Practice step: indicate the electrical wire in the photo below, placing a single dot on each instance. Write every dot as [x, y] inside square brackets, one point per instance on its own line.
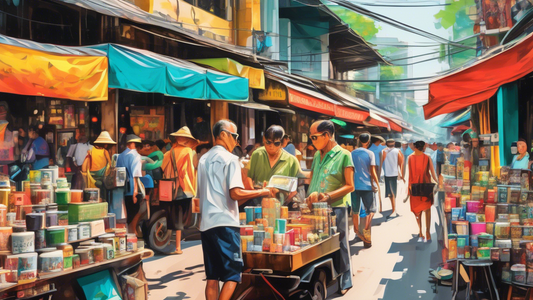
[401, 5]
[395, 23]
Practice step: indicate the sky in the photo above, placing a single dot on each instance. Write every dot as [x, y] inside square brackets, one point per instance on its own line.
[421, 18]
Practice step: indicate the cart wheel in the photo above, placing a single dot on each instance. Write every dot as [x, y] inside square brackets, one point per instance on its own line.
[317, 286]
[158, 233]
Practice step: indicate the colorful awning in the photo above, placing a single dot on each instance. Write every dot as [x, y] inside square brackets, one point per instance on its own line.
[35, 69]
[376, 115]
[310, 100]
[256, 77]
[460, 118]
[169, 76]
[479, 82]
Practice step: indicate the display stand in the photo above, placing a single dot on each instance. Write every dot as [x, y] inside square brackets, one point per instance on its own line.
[290, 262]
[66, 280]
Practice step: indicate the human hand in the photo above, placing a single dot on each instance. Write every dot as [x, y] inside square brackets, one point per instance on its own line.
[311, 199]
[323, 197]
[135, 198]
[374, 189]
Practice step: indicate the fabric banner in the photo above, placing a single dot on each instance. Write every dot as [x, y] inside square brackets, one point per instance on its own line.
[480, 81]
[169, 76]
[31, 72]
[304, 101]
[350, 114]
[256, 77]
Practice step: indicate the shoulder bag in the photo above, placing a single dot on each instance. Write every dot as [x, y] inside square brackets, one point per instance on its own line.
[115, 176]
[423, 189]
[169, 188]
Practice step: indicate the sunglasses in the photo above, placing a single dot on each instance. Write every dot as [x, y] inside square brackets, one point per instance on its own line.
[315, 136]
[234, 135]
[277, 144]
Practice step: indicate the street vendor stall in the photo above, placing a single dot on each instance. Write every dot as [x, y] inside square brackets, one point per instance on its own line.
[62, 242]
[488, 227]
[288, 249]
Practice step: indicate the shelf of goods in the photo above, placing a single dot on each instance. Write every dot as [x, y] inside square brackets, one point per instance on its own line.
[289, 262]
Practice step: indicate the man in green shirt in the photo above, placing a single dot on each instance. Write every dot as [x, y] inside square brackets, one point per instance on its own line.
[332, 182]
[270, 160]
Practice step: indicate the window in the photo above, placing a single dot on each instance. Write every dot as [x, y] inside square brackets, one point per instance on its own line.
[219, 8]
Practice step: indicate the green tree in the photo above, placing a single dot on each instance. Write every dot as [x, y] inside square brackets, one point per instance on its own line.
[363, 26]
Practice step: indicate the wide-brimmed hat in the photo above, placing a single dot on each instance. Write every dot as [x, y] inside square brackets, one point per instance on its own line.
[183, 132]
[379, 138]
[132, 138]
[104, 138]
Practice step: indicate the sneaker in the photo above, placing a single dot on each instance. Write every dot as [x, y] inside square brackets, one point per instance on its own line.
[367, 245]
[420, 239]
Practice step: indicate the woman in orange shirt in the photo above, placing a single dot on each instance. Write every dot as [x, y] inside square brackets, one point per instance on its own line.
[421, 171]
[178, 164]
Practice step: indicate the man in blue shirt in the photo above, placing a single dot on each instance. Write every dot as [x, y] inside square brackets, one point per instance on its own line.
[288, 145]
[131, 160]
[365, 176]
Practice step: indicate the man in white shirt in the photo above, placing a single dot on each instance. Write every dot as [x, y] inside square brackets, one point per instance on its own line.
[392, 162]
[221, 191]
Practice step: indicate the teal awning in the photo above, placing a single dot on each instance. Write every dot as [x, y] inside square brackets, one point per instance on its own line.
[458, 119]
[145, 71]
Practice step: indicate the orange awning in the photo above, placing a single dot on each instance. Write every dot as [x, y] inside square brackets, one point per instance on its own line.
[481, 81]
[350, 114]
[51, 73]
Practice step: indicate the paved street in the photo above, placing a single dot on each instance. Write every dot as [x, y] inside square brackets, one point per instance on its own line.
[396, 267]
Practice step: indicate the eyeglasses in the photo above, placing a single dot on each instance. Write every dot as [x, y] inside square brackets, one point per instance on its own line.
[277, 144]
[315, 136]
[234, 135]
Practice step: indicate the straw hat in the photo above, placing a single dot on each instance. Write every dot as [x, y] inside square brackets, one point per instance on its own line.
[183, 132]
[104, 138]
[132, 138]
[380, 138]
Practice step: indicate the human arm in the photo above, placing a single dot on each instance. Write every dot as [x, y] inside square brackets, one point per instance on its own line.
[400, 166]
[432, 171]
[337, 194]
[85, 164]
[136, 173]
[241, 195]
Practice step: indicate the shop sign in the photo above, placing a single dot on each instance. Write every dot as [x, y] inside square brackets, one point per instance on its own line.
[310, 103]
[274, 91]
[350, 114]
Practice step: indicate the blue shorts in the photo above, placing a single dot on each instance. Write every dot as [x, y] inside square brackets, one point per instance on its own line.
[222, 253]
[366, 197]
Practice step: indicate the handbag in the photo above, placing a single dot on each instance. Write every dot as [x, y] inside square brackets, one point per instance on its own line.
[169, 187]
[423, 189]
[115, 176]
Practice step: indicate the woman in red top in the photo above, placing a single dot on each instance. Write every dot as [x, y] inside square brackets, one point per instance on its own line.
[420, 167]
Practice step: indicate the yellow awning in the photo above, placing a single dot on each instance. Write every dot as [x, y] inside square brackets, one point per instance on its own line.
[256, 77]
[50, 73]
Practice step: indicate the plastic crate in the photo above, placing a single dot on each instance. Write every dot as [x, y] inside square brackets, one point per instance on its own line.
[86, 212]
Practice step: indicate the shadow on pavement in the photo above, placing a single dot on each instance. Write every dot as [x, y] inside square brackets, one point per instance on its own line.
[418, 258]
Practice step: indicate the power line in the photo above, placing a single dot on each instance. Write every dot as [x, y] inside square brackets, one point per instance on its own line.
[401, 5]
[393, 22]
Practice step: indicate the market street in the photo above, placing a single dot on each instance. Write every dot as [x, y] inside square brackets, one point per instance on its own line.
[396, 267]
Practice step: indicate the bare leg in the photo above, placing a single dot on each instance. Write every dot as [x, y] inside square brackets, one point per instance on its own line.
[428, 223]
[392, 201]
[418, 217]
[227, 290]
[178, 242]
[211, 290]
[380, 205]
[368, 221]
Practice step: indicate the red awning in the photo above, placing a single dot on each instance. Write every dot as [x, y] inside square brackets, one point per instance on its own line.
[350, 114]
[460, 128]
[394, 126]
[480, 81]
[308, 102]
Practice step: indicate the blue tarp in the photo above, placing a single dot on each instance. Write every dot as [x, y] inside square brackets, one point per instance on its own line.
[457, 120]
[145, 71]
